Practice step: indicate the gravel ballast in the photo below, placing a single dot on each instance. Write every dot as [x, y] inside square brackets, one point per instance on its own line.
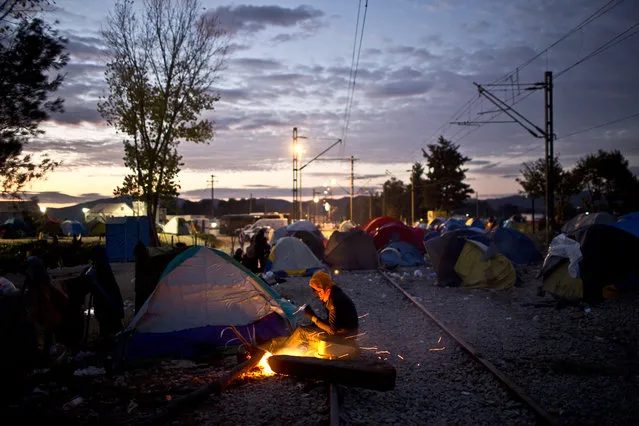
[439, 386]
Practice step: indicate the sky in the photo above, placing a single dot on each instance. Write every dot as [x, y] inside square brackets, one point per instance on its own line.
[290, 65]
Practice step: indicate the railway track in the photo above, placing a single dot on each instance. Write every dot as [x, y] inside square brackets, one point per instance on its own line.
[543, 416]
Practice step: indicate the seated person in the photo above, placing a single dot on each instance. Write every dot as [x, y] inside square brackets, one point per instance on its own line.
[342, 321]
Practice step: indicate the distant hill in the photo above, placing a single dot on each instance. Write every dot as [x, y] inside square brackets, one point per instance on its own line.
[284, 206]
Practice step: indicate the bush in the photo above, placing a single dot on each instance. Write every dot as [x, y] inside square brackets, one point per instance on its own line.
[13, 256]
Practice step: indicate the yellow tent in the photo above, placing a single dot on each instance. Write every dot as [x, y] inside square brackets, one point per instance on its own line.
[497, 272]
[559, 283]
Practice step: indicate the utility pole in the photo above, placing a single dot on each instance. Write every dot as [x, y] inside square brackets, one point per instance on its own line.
[250, 203]
[212, 195]
[352, 184]
[295, 187]
[550, 157]
[300, 168]
[547, 133]
[477, 198]
[265, 198]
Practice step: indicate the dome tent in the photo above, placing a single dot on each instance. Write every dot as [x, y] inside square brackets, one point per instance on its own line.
[291, 256]
[201, 293]
[351, 250]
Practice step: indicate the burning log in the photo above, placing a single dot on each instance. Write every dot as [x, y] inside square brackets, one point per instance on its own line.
[373, 375]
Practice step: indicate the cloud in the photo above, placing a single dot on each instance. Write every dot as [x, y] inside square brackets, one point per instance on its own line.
[252, 19]
[480, 26]
[253, 64]
[76, 114]
[399, 89]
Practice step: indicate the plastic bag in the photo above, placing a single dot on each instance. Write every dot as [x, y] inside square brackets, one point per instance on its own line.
[562, 246]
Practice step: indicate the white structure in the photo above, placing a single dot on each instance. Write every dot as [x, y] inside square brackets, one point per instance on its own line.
[202, 223]
[105, 211]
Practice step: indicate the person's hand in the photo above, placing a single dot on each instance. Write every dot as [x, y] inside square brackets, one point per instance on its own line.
[308, 312]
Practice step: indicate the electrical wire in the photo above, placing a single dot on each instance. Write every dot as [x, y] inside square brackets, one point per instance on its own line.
[359, 51]
[606, 8]
[607, 45]
[608, 123]
[350, 75]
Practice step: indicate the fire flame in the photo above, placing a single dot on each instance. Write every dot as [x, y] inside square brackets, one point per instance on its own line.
[265, 369]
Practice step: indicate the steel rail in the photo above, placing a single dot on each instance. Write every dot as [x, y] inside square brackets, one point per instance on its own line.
[512, 387]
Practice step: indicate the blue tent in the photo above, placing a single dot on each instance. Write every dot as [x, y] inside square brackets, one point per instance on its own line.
[201, 295]
[123, 233]
[73, 227]
[515, 245]
[431, 234]
[629, 223]
[408, 255]
[451, 225]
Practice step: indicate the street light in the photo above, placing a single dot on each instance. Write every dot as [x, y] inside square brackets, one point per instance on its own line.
[85, 210]
[43, 209]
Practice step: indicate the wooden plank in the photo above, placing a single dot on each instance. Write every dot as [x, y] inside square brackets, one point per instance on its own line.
[375, 375]
[334, 404]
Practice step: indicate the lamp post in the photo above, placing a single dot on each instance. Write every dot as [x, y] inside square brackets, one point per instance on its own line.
[84, 212]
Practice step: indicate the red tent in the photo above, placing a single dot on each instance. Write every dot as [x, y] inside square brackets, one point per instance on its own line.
[378, 222]
[396, 232]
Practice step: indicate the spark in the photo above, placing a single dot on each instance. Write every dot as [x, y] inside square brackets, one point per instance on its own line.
[355, 336]
[382, 352]
[437, 349]
[440, 339]
[379, 357]
[419, 364]
[363, 316]
[399, 356]
[343, 356]
[373, 348]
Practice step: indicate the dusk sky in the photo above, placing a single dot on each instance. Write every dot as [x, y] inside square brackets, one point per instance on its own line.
[289, 67]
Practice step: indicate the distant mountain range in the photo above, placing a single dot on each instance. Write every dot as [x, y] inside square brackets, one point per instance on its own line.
[275, 204]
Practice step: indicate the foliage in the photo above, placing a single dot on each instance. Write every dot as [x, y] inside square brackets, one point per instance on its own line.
[13, 256]
[160, 75]
[418, 181]
[30, 54]
[394, 190]
[533, 183]
[606, 175]
[444, 188]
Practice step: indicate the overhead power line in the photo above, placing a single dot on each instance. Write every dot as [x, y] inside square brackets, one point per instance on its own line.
[352, 94]
[608, 123]
[350, 75]
[466, 108]
[607, 45]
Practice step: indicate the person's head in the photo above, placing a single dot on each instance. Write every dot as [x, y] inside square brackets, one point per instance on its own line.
[321, 284]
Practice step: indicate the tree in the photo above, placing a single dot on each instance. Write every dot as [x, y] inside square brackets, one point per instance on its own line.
[533, 183]
[394, 191]
[30, 54]
[444, 188]
[161, 71]
[417, 180]
[606, 175]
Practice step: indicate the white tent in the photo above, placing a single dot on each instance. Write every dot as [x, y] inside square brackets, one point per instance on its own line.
[176, 225]
[291, 256]
[202, 293]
